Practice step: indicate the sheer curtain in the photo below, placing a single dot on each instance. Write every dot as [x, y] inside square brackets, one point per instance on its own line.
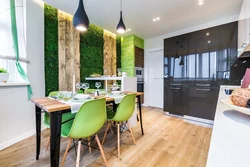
[13, 39]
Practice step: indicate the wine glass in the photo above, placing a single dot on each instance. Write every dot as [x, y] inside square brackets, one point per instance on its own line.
[85, 87]
[98, 85]
[115, 86]
[79, 85]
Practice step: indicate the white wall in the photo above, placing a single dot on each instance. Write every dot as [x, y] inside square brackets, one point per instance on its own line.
[156, 43]
[17, 120]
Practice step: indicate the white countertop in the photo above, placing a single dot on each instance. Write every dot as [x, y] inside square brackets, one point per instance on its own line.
[230, 142]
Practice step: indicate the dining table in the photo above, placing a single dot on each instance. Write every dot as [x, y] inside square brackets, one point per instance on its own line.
[56, 109]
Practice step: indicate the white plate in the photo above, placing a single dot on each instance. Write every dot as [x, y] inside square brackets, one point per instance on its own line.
[229, 103]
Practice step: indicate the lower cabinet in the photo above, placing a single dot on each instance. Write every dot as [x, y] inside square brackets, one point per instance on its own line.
[202, 102]
[176, 98]
[196, 100]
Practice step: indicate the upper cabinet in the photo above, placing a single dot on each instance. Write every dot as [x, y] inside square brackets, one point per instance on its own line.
[244, 26]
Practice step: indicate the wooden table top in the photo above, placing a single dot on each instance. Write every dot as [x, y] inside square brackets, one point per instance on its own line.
[52, 105]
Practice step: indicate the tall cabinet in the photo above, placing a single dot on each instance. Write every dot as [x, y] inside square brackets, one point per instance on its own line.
[195, 65]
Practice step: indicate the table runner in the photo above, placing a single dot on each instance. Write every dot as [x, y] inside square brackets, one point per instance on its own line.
[74, 105]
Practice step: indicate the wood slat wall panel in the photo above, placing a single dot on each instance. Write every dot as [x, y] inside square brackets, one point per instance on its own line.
[109, 50]
[69, 51]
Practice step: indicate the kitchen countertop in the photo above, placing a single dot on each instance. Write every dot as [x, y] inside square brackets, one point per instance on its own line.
[230, 142]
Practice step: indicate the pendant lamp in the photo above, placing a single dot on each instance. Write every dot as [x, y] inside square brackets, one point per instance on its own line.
[181, 62]
[121, 28]
[80, 19]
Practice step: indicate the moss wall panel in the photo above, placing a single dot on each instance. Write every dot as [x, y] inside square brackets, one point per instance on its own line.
[51, 48]
[91, 52]
[139, 42]
[128, 56]
[118, 51]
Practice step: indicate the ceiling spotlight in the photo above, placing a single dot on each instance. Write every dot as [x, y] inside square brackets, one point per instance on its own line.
[154, 20]
[200, 2]
[208, 41]
[207, 34]
[158, 18]
[128, 30]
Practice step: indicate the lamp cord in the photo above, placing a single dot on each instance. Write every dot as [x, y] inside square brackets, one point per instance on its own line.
[121, 5]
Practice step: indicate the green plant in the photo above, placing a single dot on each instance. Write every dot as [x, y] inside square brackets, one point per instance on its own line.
[91, 53]
[51, 49]
[2, 70]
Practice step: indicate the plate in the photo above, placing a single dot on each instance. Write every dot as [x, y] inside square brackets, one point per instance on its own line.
[229, 103]
[81, 101]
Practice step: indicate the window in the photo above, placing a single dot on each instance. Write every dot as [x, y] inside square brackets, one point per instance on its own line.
[6, 41]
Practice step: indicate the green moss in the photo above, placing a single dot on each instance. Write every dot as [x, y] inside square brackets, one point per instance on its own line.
[118, 51]
[91, 53]
[51, 49]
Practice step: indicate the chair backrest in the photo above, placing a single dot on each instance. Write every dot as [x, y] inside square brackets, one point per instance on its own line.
[89, 119]
[125, 109]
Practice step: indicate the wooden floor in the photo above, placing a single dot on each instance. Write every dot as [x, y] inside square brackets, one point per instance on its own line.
[168, 142]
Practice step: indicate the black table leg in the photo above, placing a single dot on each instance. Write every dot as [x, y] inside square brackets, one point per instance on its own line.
[55, 136]
[139, 103]
[38, 131]
[114, 106]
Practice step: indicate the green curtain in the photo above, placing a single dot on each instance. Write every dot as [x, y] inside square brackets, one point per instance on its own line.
[15, 45]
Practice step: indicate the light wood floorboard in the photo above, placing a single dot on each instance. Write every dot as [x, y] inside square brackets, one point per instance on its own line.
[168, 142]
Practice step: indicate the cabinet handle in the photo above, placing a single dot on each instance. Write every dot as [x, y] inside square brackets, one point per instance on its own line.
[202, 89]
[175, 84]
[202, 84]
[175, 88]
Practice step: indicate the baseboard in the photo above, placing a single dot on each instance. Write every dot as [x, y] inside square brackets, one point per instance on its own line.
[195, 119]
[18, 139]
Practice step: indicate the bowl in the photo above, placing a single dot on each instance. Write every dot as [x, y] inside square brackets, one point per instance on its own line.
[228, 91]
[116, 92]
[81, 97]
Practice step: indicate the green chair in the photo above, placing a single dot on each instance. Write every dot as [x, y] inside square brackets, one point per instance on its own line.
[88, 121]
[65, 117]
[124, 112]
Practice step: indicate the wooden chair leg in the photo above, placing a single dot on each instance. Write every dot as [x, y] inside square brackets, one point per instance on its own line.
[90, 151]
[131, 132]
[66, 152]
[102, 152]
[105, 134]
[118, 139]
[47, 145]
[78, 154]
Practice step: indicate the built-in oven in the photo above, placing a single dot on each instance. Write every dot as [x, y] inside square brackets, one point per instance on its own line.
[139, 72]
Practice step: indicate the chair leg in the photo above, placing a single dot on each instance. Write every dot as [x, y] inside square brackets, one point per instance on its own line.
[131, 132]
[78, 154]
[105, 134]
[102, 152]
[66, 152]
[118, 139]
[90, 151]
[47, 145]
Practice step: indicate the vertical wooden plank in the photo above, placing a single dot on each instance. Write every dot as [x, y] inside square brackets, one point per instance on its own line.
[68, 54]
[76, 45]
[109, 52]
[61, 50]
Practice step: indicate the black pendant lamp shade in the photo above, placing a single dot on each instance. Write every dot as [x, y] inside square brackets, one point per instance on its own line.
[121, 28]
[81, 20]
[181, 62]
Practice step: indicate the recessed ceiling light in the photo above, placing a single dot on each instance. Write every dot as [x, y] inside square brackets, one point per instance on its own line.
[200, 2]
[156, 19]
[208, 41]
[128, 29]
[207, 34]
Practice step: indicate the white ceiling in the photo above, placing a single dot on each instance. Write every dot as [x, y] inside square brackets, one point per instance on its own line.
[138, 14]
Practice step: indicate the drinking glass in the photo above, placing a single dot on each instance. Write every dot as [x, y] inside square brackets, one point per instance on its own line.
[115, 86]
[86, 86]
[98, 85]
[79, 85]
